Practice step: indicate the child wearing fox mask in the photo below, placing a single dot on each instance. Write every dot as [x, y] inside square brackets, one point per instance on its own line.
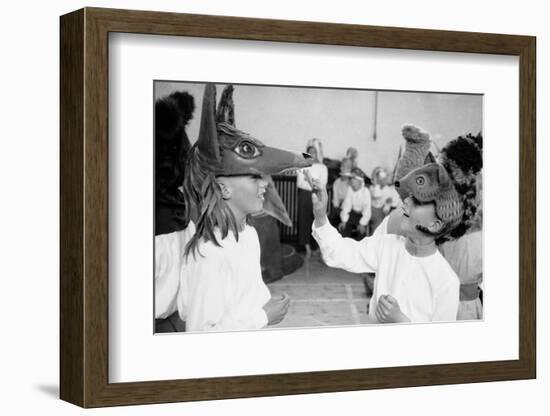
[414, 283]
[221, 286]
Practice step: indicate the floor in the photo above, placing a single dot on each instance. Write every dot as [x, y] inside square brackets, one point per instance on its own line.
[322, 296]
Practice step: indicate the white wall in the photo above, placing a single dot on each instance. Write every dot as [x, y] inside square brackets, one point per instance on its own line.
[289, 117]
[29, 221]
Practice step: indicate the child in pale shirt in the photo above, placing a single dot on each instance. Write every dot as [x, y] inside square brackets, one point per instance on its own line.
[414, 282]
[318, 171]
[356, 208]
[384, 197]
[339, 191]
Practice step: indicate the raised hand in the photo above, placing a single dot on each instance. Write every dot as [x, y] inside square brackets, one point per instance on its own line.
[319, 198]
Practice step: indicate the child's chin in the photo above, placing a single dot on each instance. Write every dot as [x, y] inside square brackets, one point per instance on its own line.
[405, 226]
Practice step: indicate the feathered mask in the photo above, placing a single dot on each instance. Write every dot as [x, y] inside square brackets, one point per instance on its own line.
[233, 151]
[223, 150]
[432, 183]
[451, 183]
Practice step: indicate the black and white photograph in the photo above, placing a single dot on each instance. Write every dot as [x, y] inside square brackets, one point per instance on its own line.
[299, 207]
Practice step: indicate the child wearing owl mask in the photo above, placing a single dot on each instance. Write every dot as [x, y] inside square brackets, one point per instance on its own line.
[462, 247]
[414, 282]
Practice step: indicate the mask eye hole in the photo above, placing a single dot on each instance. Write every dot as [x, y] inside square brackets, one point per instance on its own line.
[247, 150]
[420, 180]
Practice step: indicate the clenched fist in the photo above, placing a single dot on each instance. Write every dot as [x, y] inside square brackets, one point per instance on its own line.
[388, 310]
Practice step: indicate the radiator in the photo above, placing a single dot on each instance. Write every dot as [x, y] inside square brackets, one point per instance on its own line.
[288, 191]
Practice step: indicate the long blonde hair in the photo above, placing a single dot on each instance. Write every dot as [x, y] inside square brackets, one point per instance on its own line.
[318, 146]
[202, 191]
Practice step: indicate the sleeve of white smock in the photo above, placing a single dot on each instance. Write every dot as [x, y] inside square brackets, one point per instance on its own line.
[346, 206]
[168, 258]
[346, 253]
[446, 302]
[215, 304]
[169, 250]
[382, 228]
[366, 211]
[166, 277]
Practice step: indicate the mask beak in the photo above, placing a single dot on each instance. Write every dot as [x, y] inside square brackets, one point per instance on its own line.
[273, 204]
[276, 161]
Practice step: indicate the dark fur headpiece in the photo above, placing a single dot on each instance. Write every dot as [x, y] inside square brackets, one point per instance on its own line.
[172, 113]
[463, 159]
[223, 150]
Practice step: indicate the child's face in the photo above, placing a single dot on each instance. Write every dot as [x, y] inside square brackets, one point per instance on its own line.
[313, 152]
[415, 214]
[246, 193]
[356, 184]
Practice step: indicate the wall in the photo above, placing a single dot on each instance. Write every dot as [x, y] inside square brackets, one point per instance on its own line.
[30, 189]
[289, 117]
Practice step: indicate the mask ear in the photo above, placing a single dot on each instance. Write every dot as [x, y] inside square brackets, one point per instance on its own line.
[443, 176]
[208, 136]
[429, 158]
[226, 108]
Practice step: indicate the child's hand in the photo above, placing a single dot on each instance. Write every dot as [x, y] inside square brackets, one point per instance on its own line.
[388, 311]
[362, 229]
[341, 227]
[319, 198]
[276, 308]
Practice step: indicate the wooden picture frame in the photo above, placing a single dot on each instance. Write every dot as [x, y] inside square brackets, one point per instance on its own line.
[84, 207]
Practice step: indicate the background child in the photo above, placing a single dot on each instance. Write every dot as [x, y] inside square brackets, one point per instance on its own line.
[339, 191]
[384, 197]
[172, 229]
[356, 208]
[305, 216]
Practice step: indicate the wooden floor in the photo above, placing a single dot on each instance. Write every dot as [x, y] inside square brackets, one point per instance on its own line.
[322, 296]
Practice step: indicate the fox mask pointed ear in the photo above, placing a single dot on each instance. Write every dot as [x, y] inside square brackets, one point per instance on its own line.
[430, 158]
[207, 142]
[443, 176]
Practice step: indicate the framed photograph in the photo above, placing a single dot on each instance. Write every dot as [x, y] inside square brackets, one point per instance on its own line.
[203, 161]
